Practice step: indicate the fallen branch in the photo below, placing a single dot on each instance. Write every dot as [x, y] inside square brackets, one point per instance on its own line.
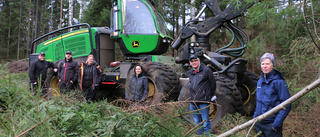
[273, 110]
[37, 124]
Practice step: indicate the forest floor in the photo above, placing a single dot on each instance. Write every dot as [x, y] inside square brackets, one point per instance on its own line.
[21, 66]
[303, 120]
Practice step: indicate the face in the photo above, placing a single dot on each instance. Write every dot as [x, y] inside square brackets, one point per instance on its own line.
[41, 57]
[138, 70]
[68, 56]
[195, 63]
[266, 66]
[90, 60]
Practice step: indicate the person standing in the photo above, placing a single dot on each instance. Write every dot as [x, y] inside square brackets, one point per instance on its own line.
[38, 71]
[138, 85]
[89, 78]
[202, 89]
[67, 73]
[272, 90]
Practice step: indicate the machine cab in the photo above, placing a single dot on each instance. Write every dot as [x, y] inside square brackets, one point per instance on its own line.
[138, 28]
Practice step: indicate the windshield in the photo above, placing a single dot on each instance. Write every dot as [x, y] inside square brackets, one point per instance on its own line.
[138, 19]
[160, 21]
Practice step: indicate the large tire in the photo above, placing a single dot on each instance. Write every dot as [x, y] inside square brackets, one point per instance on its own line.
[164, 83]
[247, 88]
[228, 100]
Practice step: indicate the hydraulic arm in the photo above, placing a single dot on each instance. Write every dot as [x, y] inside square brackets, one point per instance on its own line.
[202, 31]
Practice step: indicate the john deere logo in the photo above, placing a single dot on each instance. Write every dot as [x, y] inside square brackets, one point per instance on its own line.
[135, 44]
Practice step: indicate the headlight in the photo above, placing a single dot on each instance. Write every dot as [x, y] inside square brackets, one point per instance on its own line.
[191, 44]
[192, 51]
[164, 40]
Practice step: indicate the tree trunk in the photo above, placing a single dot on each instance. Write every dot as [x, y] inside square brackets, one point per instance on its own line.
[28, 32]
[51, 18]
[193, 14]
[81, 9]
[36, 19]
[274, 110]
[19, 32]
[9, 33]
[70, 13]
[61, 13]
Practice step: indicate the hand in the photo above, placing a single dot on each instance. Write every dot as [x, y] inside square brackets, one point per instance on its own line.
[71, 81]
[35, 83]
[55, 70]
[59, 80]
[274, 129]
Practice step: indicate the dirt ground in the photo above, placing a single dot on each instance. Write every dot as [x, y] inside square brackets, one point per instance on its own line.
[20, 66]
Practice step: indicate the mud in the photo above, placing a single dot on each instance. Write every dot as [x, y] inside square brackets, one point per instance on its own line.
[21, 66]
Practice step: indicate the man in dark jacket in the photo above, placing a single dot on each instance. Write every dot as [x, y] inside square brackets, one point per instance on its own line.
[272, 90]
[38, 71]
[202, 89]
[67, 73]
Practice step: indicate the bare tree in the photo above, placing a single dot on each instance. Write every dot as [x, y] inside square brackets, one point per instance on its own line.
[28, 31]
[9, 34]
[81, 9]
[19, 32]
[314, 36]
[70, 13]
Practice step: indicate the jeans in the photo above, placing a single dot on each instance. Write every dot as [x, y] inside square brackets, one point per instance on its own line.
[267, 130]
[201, 116]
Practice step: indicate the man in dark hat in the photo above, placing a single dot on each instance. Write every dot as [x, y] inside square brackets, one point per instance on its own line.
[202, 89]
[67, 73]
[38, 73]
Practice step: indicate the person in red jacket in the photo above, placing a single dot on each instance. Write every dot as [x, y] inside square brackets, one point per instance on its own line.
[67, 73]
[89, 78]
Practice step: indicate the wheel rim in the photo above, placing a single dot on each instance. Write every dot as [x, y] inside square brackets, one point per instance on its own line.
[54, 86]
[213, 110]
[245, 91]
[152, 89]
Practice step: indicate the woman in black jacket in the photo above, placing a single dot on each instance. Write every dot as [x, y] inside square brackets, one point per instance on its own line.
[138, 85]
[89, 77]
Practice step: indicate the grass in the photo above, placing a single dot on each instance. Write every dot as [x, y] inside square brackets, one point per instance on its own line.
[23, 114]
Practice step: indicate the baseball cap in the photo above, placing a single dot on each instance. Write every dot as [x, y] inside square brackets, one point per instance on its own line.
[69, 52]
[193, 56]
[42, 53]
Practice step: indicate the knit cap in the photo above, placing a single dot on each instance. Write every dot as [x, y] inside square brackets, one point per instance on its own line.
[267, 56]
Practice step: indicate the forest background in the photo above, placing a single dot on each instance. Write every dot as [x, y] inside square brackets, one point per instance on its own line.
[287, 28]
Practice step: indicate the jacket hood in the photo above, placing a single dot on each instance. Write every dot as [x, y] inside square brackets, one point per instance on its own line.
[274, 74]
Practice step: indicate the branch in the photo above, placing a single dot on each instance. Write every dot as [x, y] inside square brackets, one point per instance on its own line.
[306, 22]
[273, 110]
[37, 124]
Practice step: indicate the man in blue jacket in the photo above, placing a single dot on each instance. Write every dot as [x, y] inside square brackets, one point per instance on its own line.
[202, 88]
[272, 90]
